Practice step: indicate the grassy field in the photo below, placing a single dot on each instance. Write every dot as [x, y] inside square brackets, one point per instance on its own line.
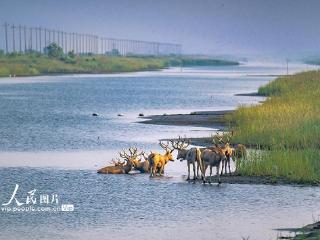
[39, 64]
[285, 129]
[36, 64]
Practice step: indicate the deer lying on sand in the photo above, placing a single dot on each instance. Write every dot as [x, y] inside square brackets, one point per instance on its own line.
[192, 155]
[158, 161]
[142, 166]
[121, 168]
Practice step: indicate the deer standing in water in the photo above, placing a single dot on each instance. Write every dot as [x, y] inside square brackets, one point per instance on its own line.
[225, 149]
[158, 161]
[192, 155]
[210, 158]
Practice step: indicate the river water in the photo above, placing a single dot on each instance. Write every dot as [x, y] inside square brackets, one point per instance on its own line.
[51, 142]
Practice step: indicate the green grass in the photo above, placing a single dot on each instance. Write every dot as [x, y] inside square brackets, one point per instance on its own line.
[39, 64]
[288, 125]
[35, 64]
[188, 61]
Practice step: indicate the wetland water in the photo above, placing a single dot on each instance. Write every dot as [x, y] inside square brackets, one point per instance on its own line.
[51, 142]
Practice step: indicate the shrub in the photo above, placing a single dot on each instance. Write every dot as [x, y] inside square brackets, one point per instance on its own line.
[54, 50]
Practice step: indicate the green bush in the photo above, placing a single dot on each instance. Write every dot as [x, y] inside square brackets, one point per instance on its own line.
[54, 50]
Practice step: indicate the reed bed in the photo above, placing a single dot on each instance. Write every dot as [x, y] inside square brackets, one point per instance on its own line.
[286, 127]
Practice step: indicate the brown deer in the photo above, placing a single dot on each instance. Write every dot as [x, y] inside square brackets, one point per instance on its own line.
[226, 149]
[121, 169]
[158, 161]
[211, 159]
[142, 166]
[240, 151]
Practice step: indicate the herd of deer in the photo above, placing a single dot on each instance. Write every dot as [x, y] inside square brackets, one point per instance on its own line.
[218, 155]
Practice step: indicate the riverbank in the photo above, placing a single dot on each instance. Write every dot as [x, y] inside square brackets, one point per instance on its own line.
[39, 64]
[286, 125]
[257, 180]
[308, 232]
[211, 119]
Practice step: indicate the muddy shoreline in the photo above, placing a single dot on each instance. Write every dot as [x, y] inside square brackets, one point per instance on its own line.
[209, 119]
[308, 232]
[260, 180]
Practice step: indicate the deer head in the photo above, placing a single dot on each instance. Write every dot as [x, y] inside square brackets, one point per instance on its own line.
[224, 139]
[180, 143]
[131, 154]
[165, 146]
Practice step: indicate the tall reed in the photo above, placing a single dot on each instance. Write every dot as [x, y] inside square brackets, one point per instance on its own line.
[288, 125]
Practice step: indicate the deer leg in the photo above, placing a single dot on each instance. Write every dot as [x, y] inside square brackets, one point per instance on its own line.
[154, 171]
[204, 174]
[219, 181]
[198, 166]
[218, 168]
[225, 166]
[210, 179]
[229, 167]
[194, 171]
[161, 170]
[188, 170]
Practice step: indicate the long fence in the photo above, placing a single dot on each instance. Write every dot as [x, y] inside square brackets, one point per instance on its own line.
[22, 39]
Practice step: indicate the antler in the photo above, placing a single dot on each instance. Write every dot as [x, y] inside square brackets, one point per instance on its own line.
[217, 139]
[124, 155]
[117, 162]
[113, 161]
[165, 146]
[142, 156]
[145, 156]
[133, 153]
[222, 138]
[180, 143]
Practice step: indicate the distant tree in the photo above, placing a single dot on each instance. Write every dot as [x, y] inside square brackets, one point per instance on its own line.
[71, 54]
[1, 53]
[53, 50]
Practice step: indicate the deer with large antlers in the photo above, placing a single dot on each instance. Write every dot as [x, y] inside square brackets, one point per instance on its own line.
[128, 157]
[192, 155]
[158, 161]
[141, 166]
[226, 149]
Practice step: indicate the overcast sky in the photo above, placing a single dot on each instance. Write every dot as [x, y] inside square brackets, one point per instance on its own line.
[261, 27]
